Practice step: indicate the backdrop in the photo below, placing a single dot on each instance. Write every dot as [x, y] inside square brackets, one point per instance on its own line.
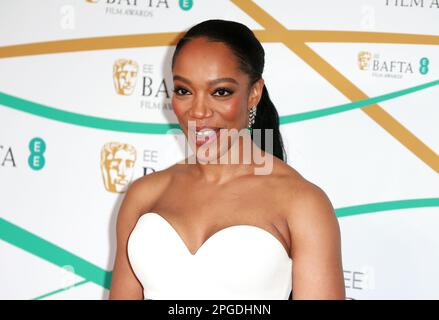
[85, 108]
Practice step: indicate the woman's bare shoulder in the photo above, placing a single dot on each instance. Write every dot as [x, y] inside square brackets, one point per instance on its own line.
[289, 177]
[301, 196]
[146, 190]
[156, 179]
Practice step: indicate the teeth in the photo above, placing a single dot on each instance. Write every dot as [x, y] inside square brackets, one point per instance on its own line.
[205, 132]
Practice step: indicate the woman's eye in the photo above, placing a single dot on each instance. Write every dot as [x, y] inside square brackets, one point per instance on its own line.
[223, 92]
[180, 91]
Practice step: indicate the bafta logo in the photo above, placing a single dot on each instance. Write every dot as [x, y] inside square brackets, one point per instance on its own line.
[117, 165]
[363, 60]
[125, 76]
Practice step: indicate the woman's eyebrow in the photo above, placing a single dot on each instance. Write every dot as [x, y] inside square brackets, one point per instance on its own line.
[215, 81]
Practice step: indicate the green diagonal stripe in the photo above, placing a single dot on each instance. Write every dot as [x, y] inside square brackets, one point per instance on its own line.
[60, 290]
[384, 206]
[50, 252]
[353, 105]
[83, 120]
[163, 128]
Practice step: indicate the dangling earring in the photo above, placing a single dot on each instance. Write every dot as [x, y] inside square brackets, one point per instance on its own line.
[251, 118]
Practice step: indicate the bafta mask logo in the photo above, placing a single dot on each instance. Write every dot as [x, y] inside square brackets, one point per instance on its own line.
[364, 59]
[125, 76]
[117, 165]
[91, 1]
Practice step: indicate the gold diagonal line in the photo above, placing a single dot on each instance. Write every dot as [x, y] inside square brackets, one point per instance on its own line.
[85, 44]
[378, 114]
[170, 38]
[363, 37]
[346, 37]
[375, 112]
[268, 22]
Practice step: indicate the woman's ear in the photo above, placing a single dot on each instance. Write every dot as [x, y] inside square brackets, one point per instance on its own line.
[255, 93]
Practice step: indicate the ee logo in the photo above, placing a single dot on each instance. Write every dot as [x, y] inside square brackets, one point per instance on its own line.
[37, 147]
[423, 68]
[186, 4]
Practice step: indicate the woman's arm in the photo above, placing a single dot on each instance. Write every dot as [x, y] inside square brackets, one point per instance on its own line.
[139, 198]
[315, 246]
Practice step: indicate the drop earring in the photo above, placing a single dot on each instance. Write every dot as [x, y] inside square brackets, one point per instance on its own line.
[251, 118]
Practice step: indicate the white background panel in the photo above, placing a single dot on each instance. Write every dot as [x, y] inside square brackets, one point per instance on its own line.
[391, 254]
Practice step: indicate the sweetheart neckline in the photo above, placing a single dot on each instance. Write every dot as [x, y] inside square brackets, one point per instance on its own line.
[215, 234]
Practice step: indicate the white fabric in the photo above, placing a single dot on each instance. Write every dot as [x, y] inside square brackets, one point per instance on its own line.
[237, 262]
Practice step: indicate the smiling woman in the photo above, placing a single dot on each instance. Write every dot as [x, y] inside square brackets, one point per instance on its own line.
[207, 230]
[240, 58]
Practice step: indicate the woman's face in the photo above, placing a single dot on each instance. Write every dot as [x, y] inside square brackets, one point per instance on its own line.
[210, 90]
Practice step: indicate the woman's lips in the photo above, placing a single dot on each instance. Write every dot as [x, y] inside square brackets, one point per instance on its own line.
[206, 135]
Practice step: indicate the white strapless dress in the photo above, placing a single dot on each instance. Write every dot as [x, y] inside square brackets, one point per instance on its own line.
[238, 262]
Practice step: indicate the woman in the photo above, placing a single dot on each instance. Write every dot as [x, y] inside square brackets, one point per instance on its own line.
[206, 230]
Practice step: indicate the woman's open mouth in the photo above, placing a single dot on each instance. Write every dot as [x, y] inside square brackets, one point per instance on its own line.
[206, 135]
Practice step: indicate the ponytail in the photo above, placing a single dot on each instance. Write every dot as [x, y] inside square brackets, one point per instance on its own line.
[268, 118]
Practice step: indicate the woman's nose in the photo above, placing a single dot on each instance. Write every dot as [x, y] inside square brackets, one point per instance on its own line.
[199, 108]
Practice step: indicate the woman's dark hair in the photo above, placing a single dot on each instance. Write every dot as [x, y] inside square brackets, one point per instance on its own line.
[251, 59]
